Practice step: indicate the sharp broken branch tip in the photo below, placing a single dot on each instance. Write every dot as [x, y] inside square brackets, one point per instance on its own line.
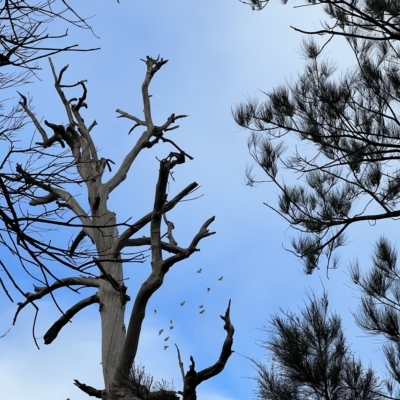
[24, 99]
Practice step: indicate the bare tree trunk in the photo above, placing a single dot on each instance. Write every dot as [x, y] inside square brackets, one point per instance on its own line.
[112, 302]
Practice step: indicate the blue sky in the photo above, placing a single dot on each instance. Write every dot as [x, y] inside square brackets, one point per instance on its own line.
[220, 53]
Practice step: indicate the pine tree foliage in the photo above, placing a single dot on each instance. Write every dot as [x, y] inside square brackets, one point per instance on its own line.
[350, 173]
[343, 132]
[379, 312]
[310, 359]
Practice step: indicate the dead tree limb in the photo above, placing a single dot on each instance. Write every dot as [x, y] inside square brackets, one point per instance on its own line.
[40, 292]
[55, 329]
[91, 391]
[169, 205]
[158, 265]
[193, 379]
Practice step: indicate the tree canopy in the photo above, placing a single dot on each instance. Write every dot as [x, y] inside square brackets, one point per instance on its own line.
[343, 132]
[309, 358]
[352, 123]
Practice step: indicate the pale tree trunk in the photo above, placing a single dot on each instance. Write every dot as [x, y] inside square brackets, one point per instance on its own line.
[112, 302]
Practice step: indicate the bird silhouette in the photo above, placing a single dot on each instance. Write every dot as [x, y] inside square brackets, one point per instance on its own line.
[171, 321]
[201, 312]
[183, 303]
[199, 270]
[155, 311]
[166, 338]
[201, 306]
[220, 279]
[171, 327]
[160, 332]
[166, 347]
[208, 289]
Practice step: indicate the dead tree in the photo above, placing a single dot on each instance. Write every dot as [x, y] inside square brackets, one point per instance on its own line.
[66, 160]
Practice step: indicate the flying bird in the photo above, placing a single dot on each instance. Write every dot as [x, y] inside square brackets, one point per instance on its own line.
[199, 270]
[171, 327]
[166, 338]
[166, 347]
[155, 311]
[208, 289]
[201, 306]
[171, 321]
[220, 279]
[201, 312]
[183, 303]
[160, 332]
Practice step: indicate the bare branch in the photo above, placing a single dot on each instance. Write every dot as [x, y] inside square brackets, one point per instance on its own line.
[165, 140]
[123, 170]
[25, 106]
[193, 379]
[138, 121]
[92, 125]
[171, 120]
[181, 367]
[146, 241]
[181, 252]
[5, 290]
[159, 268]
[150, 286]
[25, 28]
[203, 232]
[37, 201]
[81, 235]
[60, 193]
[153, 65]
[64, 282]
[5, 334]
[83, 130]
[40, 292]
[91, 391]
[169, 205]
[57, 83]
[55, 329]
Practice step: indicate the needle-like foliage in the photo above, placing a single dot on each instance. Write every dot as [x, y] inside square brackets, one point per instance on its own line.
[339, 134]
[342, 132]
[309, 359]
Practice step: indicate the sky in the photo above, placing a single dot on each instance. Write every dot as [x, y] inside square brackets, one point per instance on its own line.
[220, 53]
